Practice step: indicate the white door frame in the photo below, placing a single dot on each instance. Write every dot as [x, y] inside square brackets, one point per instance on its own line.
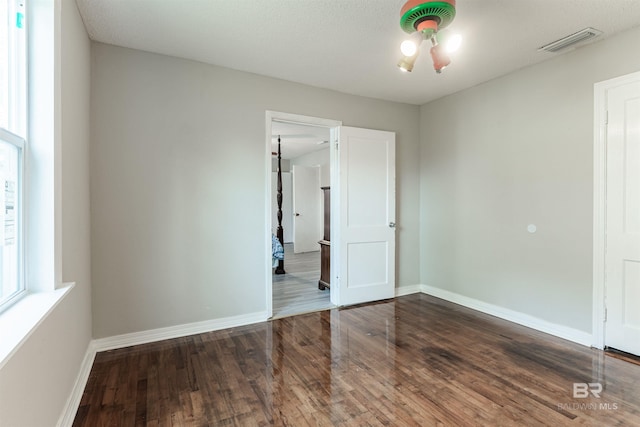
[302, 120]
[599, 200]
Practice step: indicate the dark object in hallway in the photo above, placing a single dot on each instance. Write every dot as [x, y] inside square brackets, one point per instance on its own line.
[325, 243]
[280, 231]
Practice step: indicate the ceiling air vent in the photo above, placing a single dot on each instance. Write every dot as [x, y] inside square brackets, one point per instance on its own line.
[565, 42]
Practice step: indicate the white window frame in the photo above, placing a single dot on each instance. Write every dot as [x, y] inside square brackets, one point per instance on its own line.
[16, 134]
[41, 197]
[17, 73]
[19, 143]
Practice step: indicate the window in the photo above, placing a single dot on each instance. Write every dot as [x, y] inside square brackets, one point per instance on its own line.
[12, 144]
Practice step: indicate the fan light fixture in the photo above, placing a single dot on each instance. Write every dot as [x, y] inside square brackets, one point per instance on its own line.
[423, 19]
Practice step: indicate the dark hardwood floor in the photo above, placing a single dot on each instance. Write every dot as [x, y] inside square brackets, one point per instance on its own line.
[412, 361]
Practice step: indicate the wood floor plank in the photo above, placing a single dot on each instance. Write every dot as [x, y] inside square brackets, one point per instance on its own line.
[411, 361]
[297, 291]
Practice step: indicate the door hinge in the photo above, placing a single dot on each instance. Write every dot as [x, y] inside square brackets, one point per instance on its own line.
[606, 117]
[605, 314]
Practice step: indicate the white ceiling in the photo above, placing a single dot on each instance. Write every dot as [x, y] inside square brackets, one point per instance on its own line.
[296, 140]
[350, 46]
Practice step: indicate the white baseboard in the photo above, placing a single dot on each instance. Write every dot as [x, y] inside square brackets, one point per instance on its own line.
[532, 322]
[170, 332]
[73, 402]
[143, 337]
[408, 290]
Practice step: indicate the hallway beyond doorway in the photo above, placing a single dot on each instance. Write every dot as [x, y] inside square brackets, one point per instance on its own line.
[297, 291]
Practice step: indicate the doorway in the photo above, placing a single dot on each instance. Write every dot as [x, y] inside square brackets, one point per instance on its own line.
[616, 318]
[358, 249]
[305, 167]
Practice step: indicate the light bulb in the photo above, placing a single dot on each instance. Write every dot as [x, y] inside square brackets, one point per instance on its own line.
[408, 48]
[439, 57]
[453, 43]
[407, 62]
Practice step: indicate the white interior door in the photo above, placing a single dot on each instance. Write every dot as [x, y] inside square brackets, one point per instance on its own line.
[307, 219]
[367, 212]
[622, 262]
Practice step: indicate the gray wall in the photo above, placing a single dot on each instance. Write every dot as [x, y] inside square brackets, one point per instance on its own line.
[178, 185]
[507, 153]
[317, 158]
[284, 163]
[36, 382]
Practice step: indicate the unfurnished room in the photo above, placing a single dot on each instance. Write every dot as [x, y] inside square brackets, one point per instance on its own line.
[319, 212]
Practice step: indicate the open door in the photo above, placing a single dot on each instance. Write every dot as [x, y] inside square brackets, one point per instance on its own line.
[622, 262]
[366, 218]
[307, 220]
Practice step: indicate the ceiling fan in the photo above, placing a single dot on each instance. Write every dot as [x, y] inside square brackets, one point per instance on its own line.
[425, 20]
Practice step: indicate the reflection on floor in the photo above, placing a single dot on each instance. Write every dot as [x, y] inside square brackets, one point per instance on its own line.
[410, 361]
[297, 291]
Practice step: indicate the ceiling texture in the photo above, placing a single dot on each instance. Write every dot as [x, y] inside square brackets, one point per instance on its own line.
[351, 46]
[297, 140]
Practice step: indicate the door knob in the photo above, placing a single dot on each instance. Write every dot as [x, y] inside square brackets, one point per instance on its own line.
[392, 224]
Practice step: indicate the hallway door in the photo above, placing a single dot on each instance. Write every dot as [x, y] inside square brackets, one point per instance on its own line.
[366, 221]
[622, 263]
[307, 219]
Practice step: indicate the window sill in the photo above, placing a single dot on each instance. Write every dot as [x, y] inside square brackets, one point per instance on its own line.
[19, 321]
